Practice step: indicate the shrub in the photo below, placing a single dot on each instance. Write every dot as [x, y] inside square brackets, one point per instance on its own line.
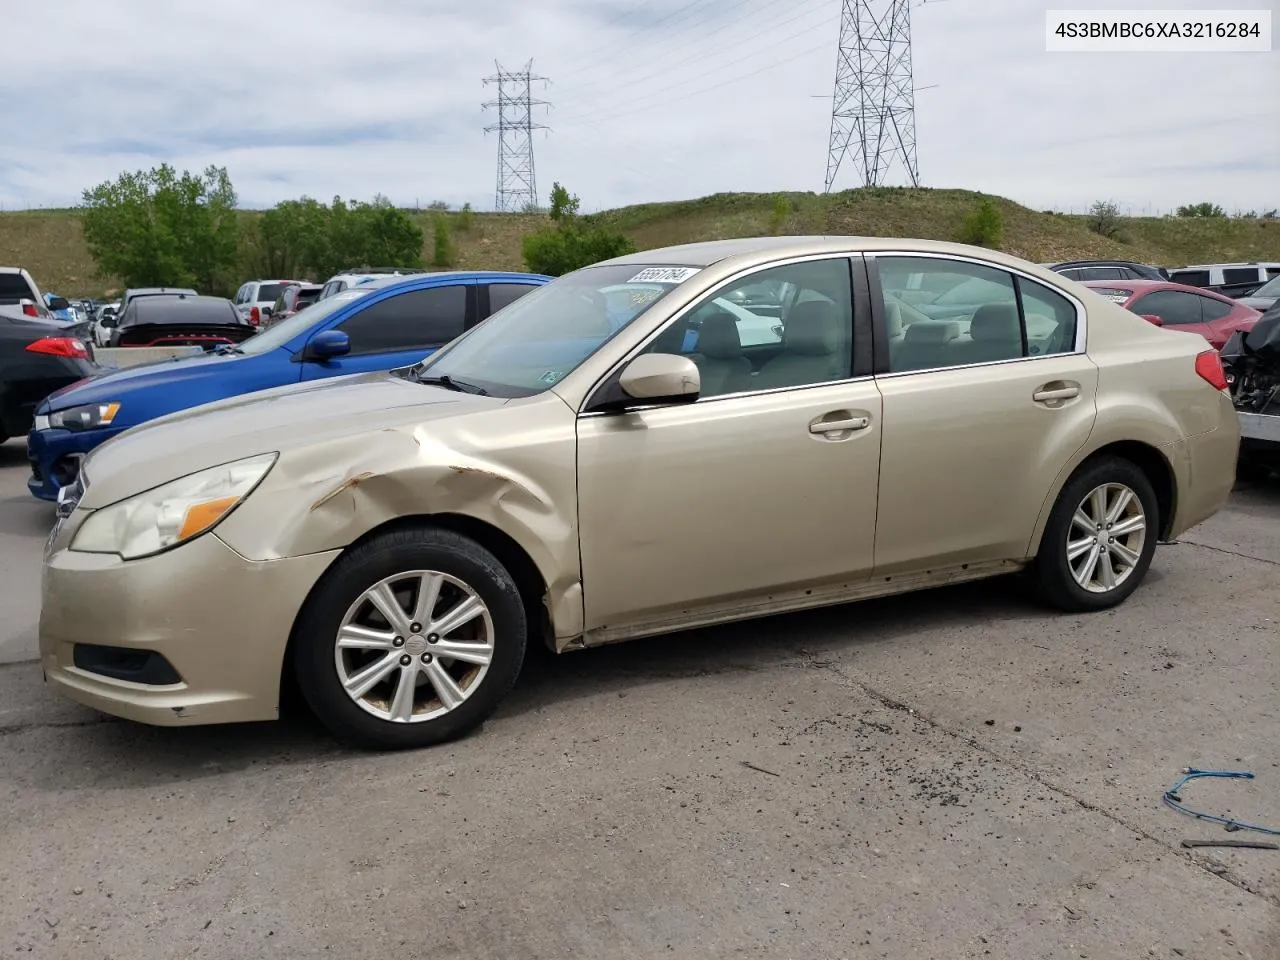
[466, 219]
[442, 254]
[984, 227]
[1104, 219]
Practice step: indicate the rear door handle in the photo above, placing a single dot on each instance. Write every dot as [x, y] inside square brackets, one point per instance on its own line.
[1048, 393]
[839, 426]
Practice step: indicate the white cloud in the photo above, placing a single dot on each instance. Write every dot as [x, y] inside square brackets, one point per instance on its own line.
[652, 101]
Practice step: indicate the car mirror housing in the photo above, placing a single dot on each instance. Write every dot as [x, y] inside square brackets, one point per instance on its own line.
[328, 344]
[1152, 319]
[661, 378]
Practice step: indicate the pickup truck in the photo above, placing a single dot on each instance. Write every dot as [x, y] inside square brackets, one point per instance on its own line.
[1252, 364]
[21, 298]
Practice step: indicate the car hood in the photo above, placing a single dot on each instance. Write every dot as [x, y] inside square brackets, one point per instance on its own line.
[276, 420]
[116, 385]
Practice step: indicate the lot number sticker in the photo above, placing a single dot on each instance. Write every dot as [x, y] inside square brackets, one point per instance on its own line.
[664, 275]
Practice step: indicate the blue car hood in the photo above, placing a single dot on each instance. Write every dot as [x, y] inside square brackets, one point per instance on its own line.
[164, 378]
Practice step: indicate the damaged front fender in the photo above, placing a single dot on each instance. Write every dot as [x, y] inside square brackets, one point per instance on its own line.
[511, 467]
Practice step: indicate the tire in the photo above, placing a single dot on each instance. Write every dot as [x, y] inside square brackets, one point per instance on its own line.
[1249, 470]
[405, 561]
[1053, 572]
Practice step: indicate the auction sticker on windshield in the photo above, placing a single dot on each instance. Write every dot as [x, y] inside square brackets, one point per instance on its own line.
[664, 275]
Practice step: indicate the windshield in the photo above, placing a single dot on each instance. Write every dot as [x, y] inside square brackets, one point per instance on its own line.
[284, 331]
[1269, 289]
[536, 341]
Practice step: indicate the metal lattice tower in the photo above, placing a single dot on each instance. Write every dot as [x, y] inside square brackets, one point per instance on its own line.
[873, 110]
[517, 185]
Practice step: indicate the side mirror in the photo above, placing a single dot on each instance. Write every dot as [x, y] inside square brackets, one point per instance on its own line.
[267, 311]
[661, 378]
[328, 344]
[1153, 319]
[59, 303]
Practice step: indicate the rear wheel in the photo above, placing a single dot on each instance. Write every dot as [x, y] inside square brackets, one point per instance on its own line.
[1100, 538]
[412, 639]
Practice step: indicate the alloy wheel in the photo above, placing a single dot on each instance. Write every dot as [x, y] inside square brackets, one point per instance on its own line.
[414, 646]
[1105, 540]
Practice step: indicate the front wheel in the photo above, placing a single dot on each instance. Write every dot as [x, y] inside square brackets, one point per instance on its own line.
[411, 639]
[1100, 538]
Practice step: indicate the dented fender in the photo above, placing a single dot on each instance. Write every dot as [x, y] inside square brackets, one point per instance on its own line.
[511, 466]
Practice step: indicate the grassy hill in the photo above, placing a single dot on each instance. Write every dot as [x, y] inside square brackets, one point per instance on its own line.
[50, 244]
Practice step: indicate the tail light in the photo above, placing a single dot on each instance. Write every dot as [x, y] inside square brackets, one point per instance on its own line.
[59, 347]
[29, 309]
[255, 316]
[1209, 367]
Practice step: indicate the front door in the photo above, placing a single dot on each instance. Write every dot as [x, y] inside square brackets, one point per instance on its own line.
[986, 399]
[762, 492]
[399, 331]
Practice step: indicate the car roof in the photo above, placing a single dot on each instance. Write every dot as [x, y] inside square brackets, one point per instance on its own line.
[1136, 286]
[748, 250]
[1227, 266]
[383, 282]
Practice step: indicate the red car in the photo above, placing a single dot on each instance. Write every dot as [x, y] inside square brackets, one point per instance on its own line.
[1179, 307]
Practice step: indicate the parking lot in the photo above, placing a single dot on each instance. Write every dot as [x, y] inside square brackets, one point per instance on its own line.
[955, 774]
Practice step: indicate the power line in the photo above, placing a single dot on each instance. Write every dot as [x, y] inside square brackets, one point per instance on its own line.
[657, 38]
[676, 50]
[651, 94]
[638, 106]
[873, 106]
[517, 187]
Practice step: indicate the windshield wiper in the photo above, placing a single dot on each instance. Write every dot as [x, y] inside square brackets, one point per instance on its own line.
[224, 348]
[449, 383]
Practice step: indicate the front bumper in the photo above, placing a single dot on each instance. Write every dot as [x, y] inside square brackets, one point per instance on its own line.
[55, 455]
[222, 622]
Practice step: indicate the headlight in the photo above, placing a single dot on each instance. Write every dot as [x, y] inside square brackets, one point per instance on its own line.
[172, 513]
[85, 417]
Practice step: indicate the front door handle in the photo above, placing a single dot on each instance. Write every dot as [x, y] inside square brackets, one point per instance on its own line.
[1056, 391]
[839, 426]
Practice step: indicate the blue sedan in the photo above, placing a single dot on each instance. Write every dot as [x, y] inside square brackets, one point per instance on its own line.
[380, 325]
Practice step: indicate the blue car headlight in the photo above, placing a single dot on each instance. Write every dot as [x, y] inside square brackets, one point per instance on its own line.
[85, 417]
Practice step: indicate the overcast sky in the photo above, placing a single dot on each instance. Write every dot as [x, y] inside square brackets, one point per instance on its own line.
[660, 100]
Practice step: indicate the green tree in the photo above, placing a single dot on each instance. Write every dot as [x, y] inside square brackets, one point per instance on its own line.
[156, 228]
[1201, 210]
[442, 252]
[572, 242]
[984, 227]
[305, 237]
[1104, 219]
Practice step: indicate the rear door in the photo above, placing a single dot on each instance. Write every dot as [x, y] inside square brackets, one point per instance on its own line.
[982, 409]
[400, 330]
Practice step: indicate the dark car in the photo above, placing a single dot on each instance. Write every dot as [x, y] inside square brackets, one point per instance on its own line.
[293, 298]
[1180, 307]
[180, 321]
[1083, 270]
[36, 359]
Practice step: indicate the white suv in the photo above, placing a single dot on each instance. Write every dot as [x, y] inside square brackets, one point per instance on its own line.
[355, 277]
[255, 299]
[1229, 278]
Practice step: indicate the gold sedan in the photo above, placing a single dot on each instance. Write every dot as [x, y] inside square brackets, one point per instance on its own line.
[676, 438]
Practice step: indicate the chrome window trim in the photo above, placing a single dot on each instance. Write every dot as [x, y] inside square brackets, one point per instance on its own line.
[729, 396]
[1082, 315]
[698, 301]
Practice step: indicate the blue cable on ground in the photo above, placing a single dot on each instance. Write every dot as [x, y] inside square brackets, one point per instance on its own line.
[1174, 801]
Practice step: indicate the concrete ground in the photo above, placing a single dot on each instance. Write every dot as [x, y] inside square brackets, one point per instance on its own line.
[951, 775]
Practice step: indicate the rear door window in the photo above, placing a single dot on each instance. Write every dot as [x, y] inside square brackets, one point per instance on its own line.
[409, 321]
[1211, 309]
[502, 294]
[1173, 307]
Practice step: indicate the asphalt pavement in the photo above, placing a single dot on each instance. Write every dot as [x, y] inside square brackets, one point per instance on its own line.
[957, 774]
